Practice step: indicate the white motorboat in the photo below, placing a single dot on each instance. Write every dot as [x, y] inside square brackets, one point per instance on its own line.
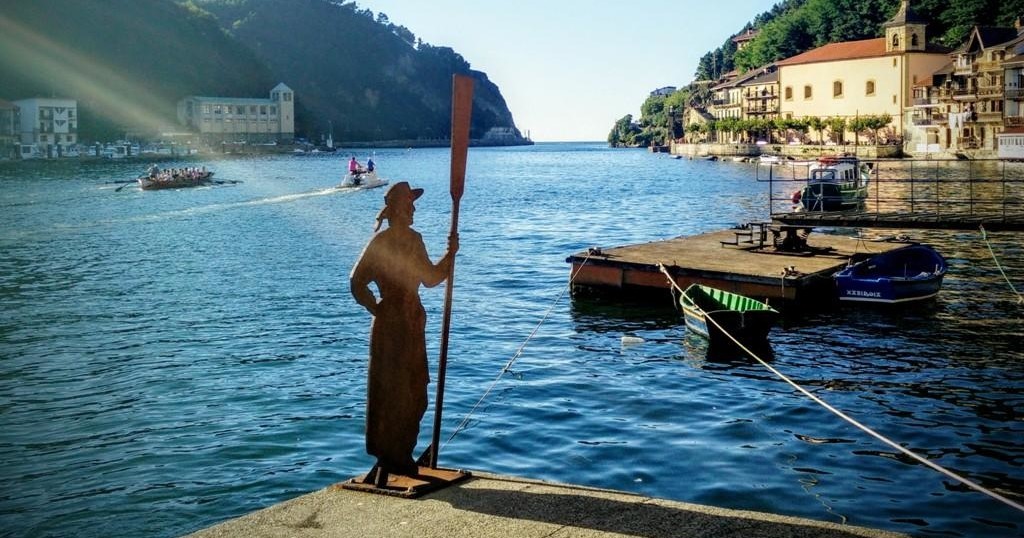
[362, 180]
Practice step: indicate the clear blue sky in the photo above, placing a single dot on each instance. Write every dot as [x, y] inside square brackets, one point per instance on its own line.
[569, 68]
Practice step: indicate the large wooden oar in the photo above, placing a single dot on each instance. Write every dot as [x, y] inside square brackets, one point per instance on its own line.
[462, 108]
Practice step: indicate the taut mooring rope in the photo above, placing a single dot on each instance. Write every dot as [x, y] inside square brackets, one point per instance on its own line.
[984, 237]
[963, 480]
[518, 353]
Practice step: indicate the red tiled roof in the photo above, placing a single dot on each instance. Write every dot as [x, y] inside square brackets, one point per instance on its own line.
[746, 36]
[847, 50]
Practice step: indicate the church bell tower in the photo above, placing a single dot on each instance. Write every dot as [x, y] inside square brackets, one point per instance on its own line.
[905, 31]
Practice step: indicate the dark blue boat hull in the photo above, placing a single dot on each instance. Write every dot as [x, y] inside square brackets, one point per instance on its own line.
[913, 273]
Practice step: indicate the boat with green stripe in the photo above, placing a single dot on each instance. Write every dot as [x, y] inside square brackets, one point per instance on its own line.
[711, 312]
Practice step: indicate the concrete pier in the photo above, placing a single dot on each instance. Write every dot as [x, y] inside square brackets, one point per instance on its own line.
[503, 507]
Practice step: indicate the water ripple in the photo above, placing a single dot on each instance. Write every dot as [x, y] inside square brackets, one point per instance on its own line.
[171, 359]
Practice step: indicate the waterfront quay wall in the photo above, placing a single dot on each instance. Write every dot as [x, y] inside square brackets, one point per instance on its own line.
[797, 151]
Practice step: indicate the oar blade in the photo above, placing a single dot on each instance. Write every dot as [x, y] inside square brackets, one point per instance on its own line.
[462, 110]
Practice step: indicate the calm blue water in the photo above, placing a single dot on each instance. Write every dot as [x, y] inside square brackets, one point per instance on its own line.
[172, 359]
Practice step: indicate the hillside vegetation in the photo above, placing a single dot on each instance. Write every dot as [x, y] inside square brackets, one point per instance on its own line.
[372, 79]
[128, 62]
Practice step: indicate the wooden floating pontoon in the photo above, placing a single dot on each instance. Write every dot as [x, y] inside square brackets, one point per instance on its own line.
[730, 260]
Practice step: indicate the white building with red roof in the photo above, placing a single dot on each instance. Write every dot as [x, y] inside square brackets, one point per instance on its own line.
[861, 78]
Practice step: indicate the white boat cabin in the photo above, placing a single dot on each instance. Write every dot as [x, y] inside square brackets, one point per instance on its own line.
[830, 170]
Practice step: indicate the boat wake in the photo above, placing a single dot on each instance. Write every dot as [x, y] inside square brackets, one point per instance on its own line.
[213, 208]
[286, 198]
[203, 210]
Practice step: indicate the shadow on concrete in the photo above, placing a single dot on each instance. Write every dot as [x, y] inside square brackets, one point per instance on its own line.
[640, 518]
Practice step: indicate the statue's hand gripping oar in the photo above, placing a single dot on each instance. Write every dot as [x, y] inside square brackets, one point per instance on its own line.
[462, 108]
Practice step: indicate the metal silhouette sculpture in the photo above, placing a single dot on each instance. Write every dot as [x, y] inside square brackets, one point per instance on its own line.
[396, 261]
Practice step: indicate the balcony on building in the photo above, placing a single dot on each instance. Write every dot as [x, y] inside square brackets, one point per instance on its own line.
[990, 117]
[968, 143]
[1016, 94]
[963, 65]
[990, 66]
[1014, 121]
[965, 94]
[989, 89]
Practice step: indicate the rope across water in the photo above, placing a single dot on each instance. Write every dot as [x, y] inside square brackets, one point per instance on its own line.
[934, 466]
[517, 354]
[963, 480]
[984, 237]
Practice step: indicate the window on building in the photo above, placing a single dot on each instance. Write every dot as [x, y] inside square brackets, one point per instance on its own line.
[789, 93]
[837, 88]
[206, 109]
[894, 98]
[263, 109]
[288, 96]
[895, 41]
[807, 92]
[869, 88]
[216, 109]
[252, 109]
[273, 110]
[913, 40]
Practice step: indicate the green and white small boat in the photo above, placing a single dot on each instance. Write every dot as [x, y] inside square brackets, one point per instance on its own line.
[710, 311]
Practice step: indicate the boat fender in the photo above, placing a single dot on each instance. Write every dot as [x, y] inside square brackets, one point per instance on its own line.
[796, 197]
[631, 340]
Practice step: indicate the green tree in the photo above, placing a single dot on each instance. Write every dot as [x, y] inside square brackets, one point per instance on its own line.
[818, 125]
[837, 126]
[624, 133]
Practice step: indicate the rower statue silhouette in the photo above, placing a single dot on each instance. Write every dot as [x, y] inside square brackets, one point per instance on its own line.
[396, 261]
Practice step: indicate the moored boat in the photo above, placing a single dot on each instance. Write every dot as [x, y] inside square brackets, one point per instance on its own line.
[834, 184]
[362, 180]
[711, 312]
[913, 273]
[171, 180]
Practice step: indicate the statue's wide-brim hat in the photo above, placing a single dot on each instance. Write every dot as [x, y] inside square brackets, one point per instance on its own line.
[402, 191]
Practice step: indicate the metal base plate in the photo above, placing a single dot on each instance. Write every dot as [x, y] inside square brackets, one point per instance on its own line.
[408, 487]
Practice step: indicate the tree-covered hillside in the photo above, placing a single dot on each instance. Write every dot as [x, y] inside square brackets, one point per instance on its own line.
[127, 62]
[371, 79]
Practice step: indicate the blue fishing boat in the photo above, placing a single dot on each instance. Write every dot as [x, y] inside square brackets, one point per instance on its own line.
[912, 273]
